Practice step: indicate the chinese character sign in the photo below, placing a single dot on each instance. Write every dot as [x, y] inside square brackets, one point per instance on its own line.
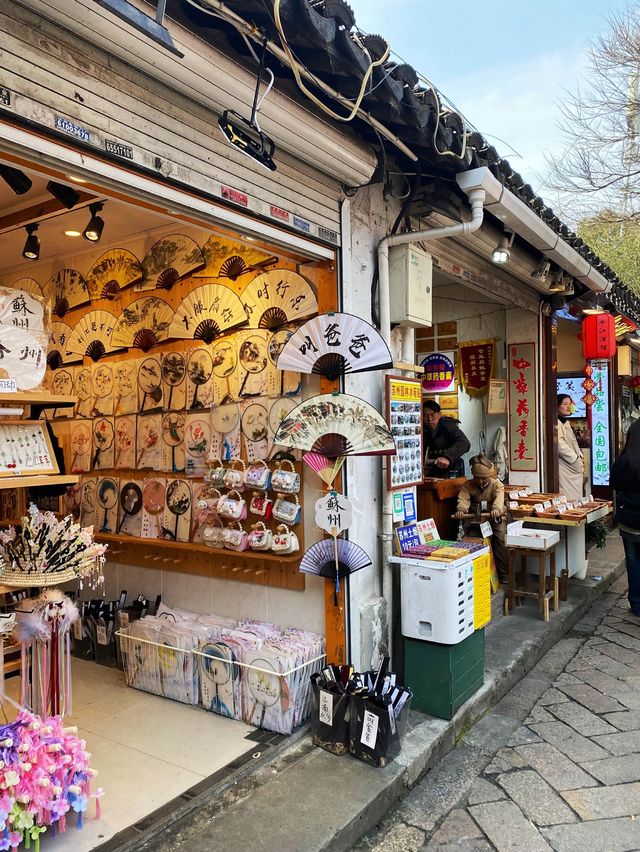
[439, 372]
[476, 365]
[600, 431]
[404, 416]
[334, 513]
[523, 423]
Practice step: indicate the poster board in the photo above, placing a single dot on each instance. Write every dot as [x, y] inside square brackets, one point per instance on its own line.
[497, 399]
[404, 418]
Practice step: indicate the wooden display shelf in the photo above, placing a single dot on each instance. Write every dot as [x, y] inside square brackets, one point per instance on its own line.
[47, 400]
[27, 481]
[187, 547]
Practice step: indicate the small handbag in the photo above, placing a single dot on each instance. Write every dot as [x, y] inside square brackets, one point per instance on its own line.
[207, 503]
[232, 506]
[258, 476]
[215, 475]
[234, 477]
[260, 537]
[287, 509]
[261, 505]
[286, 481]
[284, 541]
[234, 537]
[212, 533]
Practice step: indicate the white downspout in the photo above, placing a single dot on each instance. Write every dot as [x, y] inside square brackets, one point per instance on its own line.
[476, 200]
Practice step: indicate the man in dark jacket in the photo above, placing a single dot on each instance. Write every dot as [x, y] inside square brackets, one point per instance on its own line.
[445, 443]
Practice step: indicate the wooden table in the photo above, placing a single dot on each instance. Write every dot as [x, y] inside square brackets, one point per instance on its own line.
[437, 499]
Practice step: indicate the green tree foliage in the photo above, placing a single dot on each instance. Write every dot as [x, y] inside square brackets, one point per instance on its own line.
[617, 243]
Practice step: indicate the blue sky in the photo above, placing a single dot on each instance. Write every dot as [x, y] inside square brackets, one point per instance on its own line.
[505, 65]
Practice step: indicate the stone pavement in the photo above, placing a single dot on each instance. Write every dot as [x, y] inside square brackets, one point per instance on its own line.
[555, 765]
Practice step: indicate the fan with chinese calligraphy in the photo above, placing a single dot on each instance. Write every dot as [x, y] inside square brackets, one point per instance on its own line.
[58, 351]
[278, 297]
[335, 344]
[66, 289]
[112, 272]
[143, 323]
[92, 335]
[232, 260]
[170, 259]
[207, 312]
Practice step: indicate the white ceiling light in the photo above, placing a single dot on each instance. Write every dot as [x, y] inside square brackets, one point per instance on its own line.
[501, 252]
[73, 233]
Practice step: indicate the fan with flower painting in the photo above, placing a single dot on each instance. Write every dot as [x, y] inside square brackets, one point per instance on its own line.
[112, 272]
[168, 261]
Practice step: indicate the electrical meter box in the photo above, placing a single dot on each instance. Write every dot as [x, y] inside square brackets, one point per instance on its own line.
[410, 273]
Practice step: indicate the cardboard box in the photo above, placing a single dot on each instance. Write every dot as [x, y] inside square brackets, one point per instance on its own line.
[537, 539]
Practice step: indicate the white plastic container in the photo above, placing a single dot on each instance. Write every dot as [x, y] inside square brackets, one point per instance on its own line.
[537, 539]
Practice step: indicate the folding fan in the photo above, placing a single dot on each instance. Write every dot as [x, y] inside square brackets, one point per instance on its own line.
[334, 558]
[277, 297]
[143, 323]
[334, 344]
[112, 272]
[226, 259]
[67, 289]
[326, 468]
[170, 259]
[92, 335]
[207, 312]
[336, 424]
[58, 352]
[28, 285]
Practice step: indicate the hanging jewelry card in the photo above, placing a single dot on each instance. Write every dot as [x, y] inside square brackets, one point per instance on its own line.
[197, 443]
[81, 446]
[25, 448]
[102, 389]
[149, 442]
[125, 442]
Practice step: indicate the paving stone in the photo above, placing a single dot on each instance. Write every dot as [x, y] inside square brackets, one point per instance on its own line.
[491, 732]
[629, 629]
[403, 838]
[628, 720]
[604, 683]
[622, 639]
[604, 835]
[555, 767]
[504, 760]
[535, 798]
[565, 678]
[507, 828]
[581, 720]
[621, 743]
[518, 702]
[622, 655]
[569, 742]
[604, 802]
[523, 736]
[458, 827]
[477, 845]
[612, 667]
[614, 770]
[558, 657]
[631, 699]
[484, 791]
[591, 698]
[538, 714]
[552, 696]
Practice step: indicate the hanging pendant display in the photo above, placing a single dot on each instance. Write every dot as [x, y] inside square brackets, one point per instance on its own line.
[92, 335]
[206, 313]
[170, 259]
[278, 297]
[112, 272]
[230, 259]
[143, 323]
[66, 289]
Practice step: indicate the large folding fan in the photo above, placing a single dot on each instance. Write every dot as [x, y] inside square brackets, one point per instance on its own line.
[170, 259]
[334, 344]
[28, 285]
[112, 272]
[58, 350]
[143, 323]
[278, 297]
[336, 424]
[92, 335]
[67, 289]
[334, 558]
[227, 259]
[207, 312]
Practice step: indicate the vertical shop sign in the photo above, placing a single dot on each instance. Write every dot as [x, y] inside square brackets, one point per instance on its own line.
[600, 430]
[523, 425]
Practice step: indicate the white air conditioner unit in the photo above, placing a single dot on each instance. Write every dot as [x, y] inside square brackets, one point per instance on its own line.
[410, 282]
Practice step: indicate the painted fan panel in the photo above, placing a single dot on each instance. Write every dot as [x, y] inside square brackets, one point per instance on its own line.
[334, 344]
[326, 468]
[67, 289]
[28, 285]
[320, 558]
[112, 272]
[229, 259]
[207, 312]
[22, 357]
[336, 425]
[143, 323]
[277, 297]
[93, 335]
[170, 259]
[58, 352]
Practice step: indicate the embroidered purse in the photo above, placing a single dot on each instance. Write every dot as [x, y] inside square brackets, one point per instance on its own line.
[258, 476]
[260, 537]
[207, 504]
[232, 506]
[234, 537]
[286, 481]
[287, 509]
[284, 541]
[261, 505]
[215, 475]
[234, 477]
[212, 533]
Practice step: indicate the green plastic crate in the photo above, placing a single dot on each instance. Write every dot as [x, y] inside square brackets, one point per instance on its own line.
[443, 677]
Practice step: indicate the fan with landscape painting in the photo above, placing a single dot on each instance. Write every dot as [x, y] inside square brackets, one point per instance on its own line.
[66, 289]
[112, 272]
[143, 323]
[206, 313]
[278, 297]
[225, 258]
[168, 261]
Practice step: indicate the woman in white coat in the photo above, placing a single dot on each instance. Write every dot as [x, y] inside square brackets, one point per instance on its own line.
[570, 459]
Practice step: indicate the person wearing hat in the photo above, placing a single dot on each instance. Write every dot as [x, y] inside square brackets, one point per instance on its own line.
[485, 493]
[445, 442]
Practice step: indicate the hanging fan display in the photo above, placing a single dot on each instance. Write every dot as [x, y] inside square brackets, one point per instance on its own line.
[173, 425]
[177, 516]
[199, 372]
[130, 509]
[62, 383]
[206, 313]
[108, 502]
[281, 382]
[170, 259]
[125, 378]
[255, 428]
[153, 501]
[102, 389]
[326, 468]
[334, 558]
[103, 435]
[81, 440]
[225, 438]
[112, 272]
[334, 344]
[278, 297]
[58, 353]
[23, 357]
[278, 410]
[88, 503]
[125, 442]
[67, 289]
[150, 384]
[336, 424]
[84, 392]
[224, 354]
[227, 259]
[28, 285]
[92, 335]
[174, 374]
[143, 323]
[253, 373]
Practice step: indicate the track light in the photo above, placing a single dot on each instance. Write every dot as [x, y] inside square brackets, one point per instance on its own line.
[31, 250]
[67, 196]
[94, 229]
[15, 179]
[501, 252]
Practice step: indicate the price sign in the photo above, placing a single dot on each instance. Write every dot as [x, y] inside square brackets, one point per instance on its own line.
[326, 707]
[369, 730]
[485, 529]
[334, 513]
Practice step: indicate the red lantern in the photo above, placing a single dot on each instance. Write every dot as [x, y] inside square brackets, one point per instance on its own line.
[598, 336]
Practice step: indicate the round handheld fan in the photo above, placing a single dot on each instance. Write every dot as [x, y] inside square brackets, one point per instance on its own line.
[58, 351]
[143, 323]
[62, 383]
[88, 501]
[255, 422]
[22, 357]
[232, 260]
[112, 272]
[178, 503]
[125, 384]
[102, 386]
[206, 313]
[336, 424]
[334, 344]
[278, 410]
[173, 433]
[253, 358]
[199, 371]
[92, 335]
[103, 435]
[66, 289]
[278, 297]
[153, 497]
[148, 436]
[130, 502]
[125, 438]
[20, 309]
[170, 259]
[150, 383]
[83, 390]
[107, 499]
[81, 439]
[217, 669]
[174, 371]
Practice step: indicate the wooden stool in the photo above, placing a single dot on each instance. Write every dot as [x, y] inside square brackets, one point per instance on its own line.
[513, 596]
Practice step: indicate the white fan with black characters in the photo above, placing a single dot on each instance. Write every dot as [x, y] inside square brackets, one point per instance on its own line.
[334, 344]
[278, 297]
[66, 289]
[92, 335]
[229, 259]
[169, 260]
[336, 424]
[207, 312]
[58, 350]
[143, 323]
[112, 272]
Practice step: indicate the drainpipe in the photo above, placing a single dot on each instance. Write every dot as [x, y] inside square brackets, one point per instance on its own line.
[476, 200]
